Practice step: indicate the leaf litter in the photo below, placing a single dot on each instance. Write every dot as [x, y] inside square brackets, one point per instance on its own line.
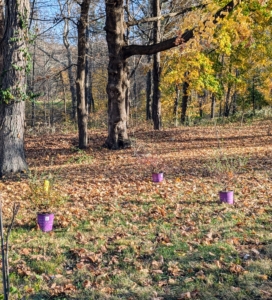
[119, 235]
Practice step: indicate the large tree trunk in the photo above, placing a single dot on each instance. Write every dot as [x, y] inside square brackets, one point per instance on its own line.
[156, 104]
[12, 155]
[13, 88]
[82, 112]
[117, 77]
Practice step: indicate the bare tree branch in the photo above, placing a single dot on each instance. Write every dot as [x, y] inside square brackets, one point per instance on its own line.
[177, 40]
[169, 15]
[51, 56]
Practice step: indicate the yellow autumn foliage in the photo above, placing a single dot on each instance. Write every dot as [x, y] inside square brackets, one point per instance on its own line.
[223, 55]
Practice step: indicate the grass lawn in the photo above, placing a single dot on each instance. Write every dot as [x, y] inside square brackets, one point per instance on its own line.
[118, 235]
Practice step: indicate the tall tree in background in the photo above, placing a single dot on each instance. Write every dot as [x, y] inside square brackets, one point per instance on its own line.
[156, 103]
[82, 109]
[13, 87]
[88, 75]
[66, 43]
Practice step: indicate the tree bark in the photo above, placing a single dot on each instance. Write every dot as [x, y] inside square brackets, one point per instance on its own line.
[82, 111]
[13, 88]
[156, 103]
[117, 77]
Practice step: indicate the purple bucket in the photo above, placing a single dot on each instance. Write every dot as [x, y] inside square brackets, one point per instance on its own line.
[157, 177]
[226, 197]
[45, 221]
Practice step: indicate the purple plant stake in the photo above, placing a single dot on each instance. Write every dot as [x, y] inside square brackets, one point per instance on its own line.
[226, 197]
[157, 177]
[45, 222]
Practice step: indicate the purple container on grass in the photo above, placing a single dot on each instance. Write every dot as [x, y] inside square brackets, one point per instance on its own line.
[45, 221]
[226, 197]
[157, 177]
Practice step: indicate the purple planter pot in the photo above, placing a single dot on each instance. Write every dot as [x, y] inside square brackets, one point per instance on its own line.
[45, 221]
[226, 197]
[157, 177]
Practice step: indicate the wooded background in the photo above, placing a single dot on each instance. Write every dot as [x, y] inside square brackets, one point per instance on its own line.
[114, 63]
[229, 65]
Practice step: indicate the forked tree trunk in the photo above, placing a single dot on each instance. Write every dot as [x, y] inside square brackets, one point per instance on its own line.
[82, 111]
[119, 52]
[13, 88]
[117, 77]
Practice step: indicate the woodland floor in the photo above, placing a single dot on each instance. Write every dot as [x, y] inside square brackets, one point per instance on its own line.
[121, 236]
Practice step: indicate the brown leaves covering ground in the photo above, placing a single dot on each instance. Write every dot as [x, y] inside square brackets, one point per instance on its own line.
[114, 188]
